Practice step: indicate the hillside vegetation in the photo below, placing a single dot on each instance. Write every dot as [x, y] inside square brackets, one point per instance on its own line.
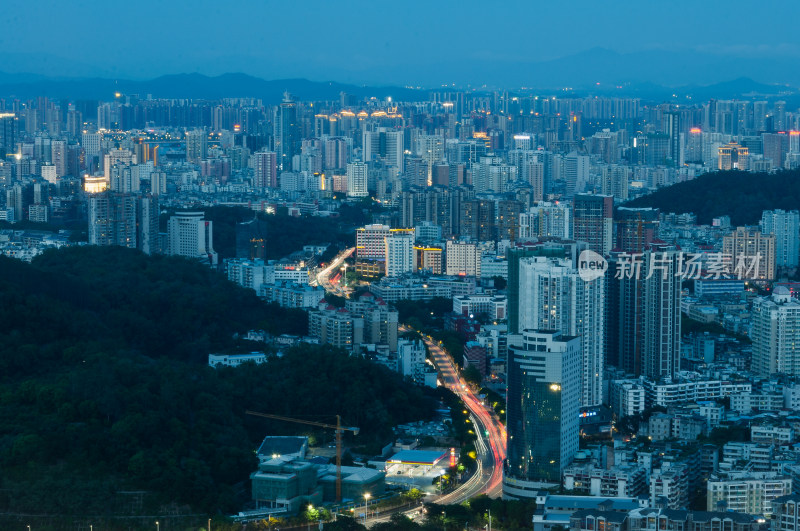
[108, 407]
[741, 195]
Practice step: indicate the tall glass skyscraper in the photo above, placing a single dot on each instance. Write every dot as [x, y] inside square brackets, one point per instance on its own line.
[287, 132]
[544, 391]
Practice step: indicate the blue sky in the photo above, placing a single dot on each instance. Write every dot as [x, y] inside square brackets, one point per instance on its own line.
[405, 42]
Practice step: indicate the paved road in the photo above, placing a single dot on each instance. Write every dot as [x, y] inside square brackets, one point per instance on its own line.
[488, 477]
[491, 433]
[323, 276]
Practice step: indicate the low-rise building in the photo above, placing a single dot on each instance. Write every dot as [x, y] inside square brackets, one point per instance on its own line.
[556, 510]
[680, 390]
[760, 401]
[285, 480]
[765, 433]
[624, 481]
[627, 397]
[494, 306]
[756, 456]
[786, 513]
[411, 362]
[334, 326]
[235, 360]
[671, 484]
[747, 492]
[660, 519]
[291, 295]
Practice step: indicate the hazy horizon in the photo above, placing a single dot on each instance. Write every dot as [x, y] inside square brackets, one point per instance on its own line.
[415, 43]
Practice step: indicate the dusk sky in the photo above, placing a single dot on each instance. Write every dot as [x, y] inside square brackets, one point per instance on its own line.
[410, 42]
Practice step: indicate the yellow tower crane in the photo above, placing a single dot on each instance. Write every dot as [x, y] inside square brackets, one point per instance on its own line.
[339, 430]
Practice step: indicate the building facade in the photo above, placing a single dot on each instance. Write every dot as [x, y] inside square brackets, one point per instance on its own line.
[542, 410]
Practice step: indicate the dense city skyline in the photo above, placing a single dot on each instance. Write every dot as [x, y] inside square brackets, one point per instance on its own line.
[514, 266]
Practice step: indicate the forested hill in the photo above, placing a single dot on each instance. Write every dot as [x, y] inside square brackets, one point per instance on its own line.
[105, 390]
[741, 195]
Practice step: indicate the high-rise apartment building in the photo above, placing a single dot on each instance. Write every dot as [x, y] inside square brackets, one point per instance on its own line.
[49, 173]
[576, 172]
[462, 259]
[287, 132]
[508, 219]
[8, 133]
[542, 410]
[399, 253]
[553, 296]
[751, 248]
[672, 127]
[357, 180]
[58, 156]
[191, 235]
[371, 241]
[196, 146]
[477, 219]
[592, 221]
[265, 169]
[384, 144]
[776, 334]
[643, 321]
[636, 228]
[147, 224]
[91, 143]
[545, 220]
[112, 219]
[785, 226]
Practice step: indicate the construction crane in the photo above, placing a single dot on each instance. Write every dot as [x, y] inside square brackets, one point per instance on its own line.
[339, 430]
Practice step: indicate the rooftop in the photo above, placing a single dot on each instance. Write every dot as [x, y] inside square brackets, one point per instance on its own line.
[417, 457]
[278, 446]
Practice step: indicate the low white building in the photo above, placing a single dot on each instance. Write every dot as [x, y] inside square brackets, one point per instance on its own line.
[771, 434]
[411, 361]
[668, 392]
[495, 306]
[235, 360]
[627, 397]
[291, 295]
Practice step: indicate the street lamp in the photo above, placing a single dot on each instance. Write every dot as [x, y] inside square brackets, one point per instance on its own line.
[158, 526]
[366, 505]
[209, 524]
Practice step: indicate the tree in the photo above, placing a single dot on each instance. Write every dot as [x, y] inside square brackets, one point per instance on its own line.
[397, 522]
[472, 375]
[162, 421]
[344, 523]
[499, 282]
[413, 495]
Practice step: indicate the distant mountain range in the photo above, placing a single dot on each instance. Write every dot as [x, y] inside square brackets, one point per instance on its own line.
[195, 86]
[652, 75]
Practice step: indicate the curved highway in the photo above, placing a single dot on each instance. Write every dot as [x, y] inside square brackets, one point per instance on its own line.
[491, 433]
[323, 276]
